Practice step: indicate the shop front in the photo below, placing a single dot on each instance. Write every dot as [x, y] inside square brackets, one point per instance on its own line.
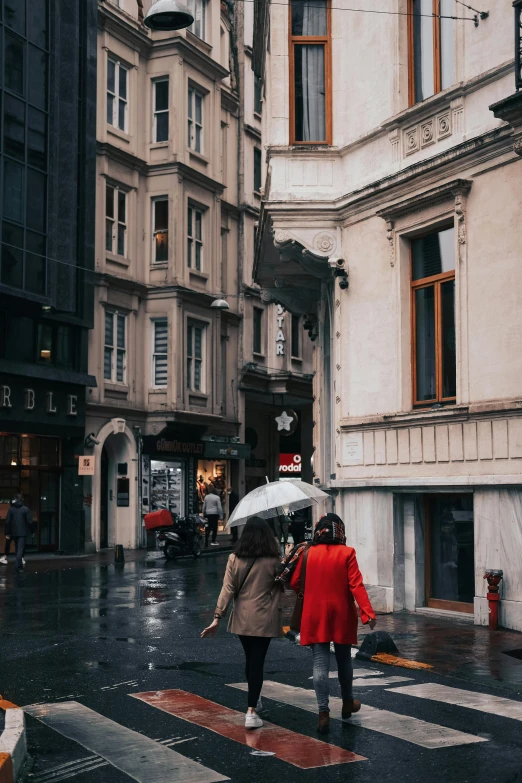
[178, 467]
[41, 433]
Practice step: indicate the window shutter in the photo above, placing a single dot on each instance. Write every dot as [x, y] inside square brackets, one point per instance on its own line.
[160, 353]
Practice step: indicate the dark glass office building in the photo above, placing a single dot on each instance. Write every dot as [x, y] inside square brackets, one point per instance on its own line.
[47, 196]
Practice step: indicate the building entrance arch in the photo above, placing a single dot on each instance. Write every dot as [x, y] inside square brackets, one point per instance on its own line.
[114, 511]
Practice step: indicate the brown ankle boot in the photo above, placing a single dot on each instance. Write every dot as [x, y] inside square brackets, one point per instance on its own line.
[323, 726]
[350, 706]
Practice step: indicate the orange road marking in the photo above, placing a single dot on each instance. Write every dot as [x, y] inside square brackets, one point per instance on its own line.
[394, 660]
[7, 705]
[6, 768]
[297, 749]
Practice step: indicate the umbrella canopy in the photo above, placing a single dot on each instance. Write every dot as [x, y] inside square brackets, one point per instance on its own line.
[275, 499]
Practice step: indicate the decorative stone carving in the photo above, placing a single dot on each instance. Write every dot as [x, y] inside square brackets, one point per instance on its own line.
[427, 133]
[395, 142]
[325, 243]
[443, 125]
[281, 237]
[461, 221]
[432, 129]
[517, 147]
[411, 140]
[457, 111]
[390, 236]
[266, 296]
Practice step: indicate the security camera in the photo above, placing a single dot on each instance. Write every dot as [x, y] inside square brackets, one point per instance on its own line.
[336, 263]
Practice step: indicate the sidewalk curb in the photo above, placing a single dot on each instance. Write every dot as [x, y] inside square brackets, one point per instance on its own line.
[13, 745]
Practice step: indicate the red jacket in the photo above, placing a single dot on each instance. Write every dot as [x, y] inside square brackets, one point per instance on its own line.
[333, 581]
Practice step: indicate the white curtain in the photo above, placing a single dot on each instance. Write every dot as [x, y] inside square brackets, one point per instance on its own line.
[312, 73]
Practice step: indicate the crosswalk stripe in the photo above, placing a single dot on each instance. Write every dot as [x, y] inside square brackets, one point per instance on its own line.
[483, 702]
[303, 752]
[356, 673]
[139, 757]
[365, 682]
[404, 727]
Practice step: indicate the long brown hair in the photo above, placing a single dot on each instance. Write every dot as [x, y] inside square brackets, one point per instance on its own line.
[257, 540]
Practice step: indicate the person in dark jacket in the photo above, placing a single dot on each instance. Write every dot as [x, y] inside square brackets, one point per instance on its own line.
[19, 525]
[233, 500]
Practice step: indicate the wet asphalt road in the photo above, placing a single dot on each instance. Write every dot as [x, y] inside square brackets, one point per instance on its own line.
[98, 634]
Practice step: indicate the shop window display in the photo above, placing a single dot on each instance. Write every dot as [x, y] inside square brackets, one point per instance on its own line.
[168, 486]
[215, 473]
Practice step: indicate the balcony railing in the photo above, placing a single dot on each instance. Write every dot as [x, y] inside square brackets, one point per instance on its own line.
[517, 5]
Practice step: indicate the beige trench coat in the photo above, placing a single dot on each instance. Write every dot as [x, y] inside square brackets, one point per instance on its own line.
[258, 609]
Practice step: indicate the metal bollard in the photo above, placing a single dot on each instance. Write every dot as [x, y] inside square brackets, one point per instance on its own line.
[119, 557]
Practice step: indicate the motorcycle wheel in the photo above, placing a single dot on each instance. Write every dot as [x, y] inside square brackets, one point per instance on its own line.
[196, 549]
[170, 552]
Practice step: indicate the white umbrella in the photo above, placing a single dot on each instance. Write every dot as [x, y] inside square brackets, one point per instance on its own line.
[275, 499]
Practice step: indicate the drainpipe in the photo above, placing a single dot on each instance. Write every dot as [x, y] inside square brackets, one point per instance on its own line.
[139, 444]
[494, 578]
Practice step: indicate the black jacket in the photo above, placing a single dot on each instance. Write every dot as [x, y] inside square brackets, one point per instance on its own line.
[18, 521]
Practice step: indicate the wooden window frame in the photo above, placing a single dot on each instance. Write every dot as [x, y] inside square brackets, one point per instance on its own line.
[326, 41]
[437, 63]
[193, 126]
[156, 231]
[436, 282]
[118, 226]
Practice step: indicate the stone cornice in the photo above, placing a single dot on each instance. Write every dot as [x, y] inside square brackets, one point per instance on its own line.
[425, 199]
[254, 133]
[123, 27]
[229, 101]
[428, 172]
[197, 58]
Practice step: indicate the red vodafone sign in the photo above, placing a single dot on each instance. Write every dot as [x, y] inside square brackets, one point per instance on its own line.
[290, 464]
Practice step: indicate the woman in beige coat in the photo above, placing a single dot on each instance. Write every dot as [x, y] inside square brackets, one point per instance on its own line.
[256, 615]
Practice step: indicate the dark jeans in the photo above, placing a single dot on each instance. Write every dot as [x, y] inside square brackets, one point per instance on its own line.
[212, 520]
[20, 550]
[256, 648]
[234, 534]
[343, 654]
[7, 548]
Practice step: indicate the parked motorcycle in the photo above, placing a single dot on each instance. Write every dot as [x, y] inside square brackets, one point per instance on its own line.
[185, 537]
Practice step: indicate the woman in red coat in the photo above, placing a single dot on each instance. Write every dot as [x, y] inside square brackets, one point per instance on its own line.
[333, 583]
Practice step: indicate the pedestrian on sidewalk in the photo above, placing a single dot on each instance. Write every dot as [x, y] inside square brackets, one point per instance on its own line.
[18, 525]
[233, 500]
[332, 583]
[257, 614]
[213, 511]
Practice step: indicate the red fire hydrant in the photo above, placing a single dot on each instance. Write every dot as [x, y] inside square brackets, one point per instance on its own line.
[494, 577]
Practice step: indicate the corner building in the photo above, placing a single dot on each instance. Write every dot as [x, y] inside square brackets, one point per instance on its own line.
[391, 220]
[178, 193]
[48, 149]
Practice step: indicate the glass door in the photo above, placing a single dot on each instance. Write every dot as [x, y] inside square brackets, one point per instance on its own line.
[450, 564]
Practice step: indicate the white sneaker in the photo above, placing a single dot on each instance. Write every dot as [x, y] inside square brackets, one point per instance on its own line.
[23, 561]
[3, 560]
[214, 543]
[253, 721]
[259, 705]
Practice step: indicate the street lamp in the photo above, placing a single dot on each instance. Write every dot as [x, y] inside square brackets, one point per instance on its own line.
[220, 304]
[167, 15]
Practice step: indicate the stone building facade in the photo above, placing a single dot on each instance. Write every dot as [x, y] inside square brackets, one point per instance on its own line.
[178, 197]
[391, 222]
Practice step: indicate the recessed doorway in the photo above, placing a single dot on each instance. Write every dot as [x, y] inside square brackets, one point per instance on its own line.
[450, 562]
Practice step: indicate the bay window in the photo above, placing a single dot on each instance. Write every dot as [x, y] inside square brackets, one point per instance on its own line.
[160, 96]
[160, 352]
[117, 91]
[160, 230]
